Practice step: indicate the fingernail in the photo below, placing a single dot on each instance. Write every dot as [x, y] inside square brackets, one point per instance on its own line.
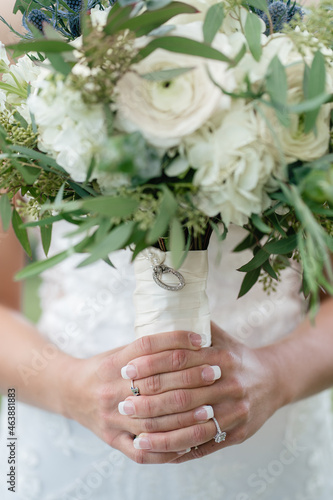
[211, 373]
[184, 451]
[126, 408]
[204, 413]
[142, 443]
[198, 340]
[128, 372]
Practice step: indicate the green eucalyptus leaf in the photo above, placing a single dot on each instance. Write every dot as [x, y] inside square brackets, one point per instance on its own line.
[44, 46]
[46, 235]
[249, 281]
[111, 206]
[59, 63]
[41, 265]
[29, 174]
[5, 211]
[21, 232]
[253, 35]
[277, 87]
[268, 268]
[315, 86]
[165, 75]
[182, 45]
[167, 210]
[213, 22]
[256, 262]
[259, 224]
[115, 240]
[257, 4]
[282, 246]
[151, 19]
[177, 242]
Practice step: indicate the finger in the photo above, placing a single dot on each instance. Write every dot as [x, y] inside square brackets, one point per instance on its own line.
[151, 344]
[171, 361]
[173, 441]
[177, 401]
[205, 449]
[167, 422]
[124, 443]
[187, 379]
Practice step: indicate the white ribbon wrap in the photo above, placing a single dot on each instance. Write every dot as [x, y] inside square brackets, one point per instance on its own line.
[159, 310]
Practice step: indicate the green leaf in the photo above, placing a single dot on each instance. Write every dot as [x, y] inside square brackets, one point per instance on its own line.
[117, 16]
[177, 242]
[150, 20]
[268, 268]
[58, 63]
[182, 45]
[115, 240]
[257, 4]
[165, 75]
[41, 265]
[253, 35]
[277, 87]
[167, 210]
[315, 86]
[256, 262]
[5, 211]
[44, 46]
[21, 232]
[111, 206]
[246, 243]
[249, 280]
[213, 22]
[44, 222]
[29, 174]
[259, 224]
[42, 158]
[282, 246]
[46, 234]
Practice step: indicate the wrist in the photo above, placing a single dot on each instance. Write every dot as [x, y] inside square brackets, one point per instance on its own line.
[280, 384]
[67, 391]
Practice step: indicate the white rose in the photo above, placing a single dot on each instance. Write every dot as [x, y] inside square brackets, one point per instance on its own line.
[68, 128]
[232, 166]
[164, 112]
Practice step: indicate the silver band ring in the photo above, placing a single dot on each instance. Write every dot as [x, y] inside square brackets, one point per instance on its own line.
[135, 390]
[220, 435]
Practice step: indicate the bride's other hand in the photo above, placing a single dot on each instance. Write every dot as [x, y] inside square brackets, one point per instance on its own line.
[254, 384]
[92, 389]
[243, 398]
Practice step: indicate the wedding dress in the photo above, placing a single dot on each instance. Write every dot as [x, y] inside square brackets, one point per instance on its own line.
[88, 311]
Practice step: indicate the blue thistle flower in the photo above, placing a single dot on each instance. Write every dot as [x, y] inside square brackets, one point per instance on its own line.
[76, 5]
[37, 17]
[281, 13]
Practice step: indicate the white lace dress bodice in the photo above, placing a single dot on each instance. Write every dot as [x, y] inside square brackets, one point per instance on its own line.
[90, 310]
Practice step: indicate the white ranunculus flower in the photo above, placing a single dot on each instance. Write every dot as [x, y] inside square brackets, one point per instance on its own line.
[165, 112]
[98, 16]
[232, 165]
[69, 129]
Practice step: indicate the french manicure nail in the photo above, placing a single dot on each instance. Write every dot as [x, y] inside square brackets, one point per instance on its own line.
[126, 408]
[211, 373]
[204, 413]
[198, 340]
[142, 443]
[128, 372]
[184, 451]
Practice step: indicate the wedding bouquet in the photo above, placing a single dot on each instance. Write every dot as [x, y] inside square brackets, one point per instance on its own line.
[164, 122]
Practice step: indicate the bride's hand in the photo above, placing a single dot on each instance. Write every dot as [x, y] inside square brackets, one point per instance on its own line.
[242, 399]
[93, 388]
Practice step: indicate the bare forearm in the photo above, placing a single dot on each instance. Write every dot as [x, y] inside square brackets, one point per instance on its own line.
[34, 367]
[303, 361]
